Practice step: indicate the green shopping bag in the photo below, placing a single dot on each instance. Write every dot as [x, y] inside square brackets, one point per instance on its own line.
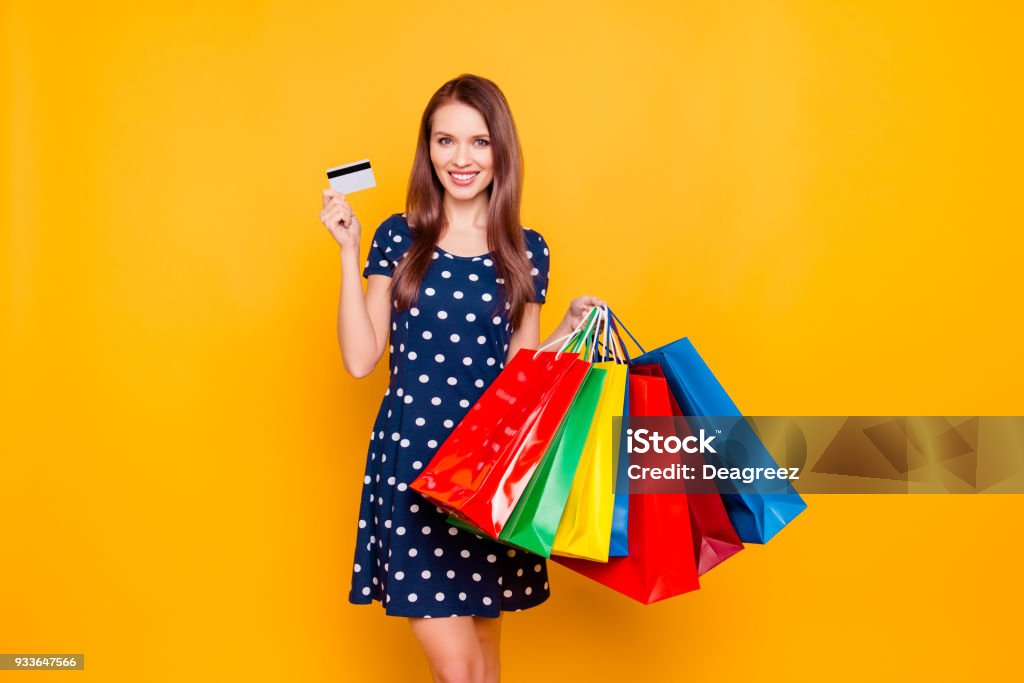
[536, 516]
[535, 519]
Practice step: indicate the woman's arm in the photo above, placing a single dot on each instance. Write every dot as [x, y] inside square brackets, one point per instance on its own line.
[363, 320]
[528, 334]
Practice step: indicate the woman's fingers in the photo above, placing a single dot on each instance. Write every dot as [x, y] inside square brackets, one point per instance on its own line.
[332, 195]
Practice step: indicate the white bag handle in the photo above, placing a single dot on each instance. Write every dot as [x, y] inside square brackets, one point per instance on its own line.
[565, 339]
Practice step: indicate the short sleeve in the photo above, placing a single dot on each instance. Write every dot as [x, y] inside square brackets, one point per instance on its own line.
[388, 245]
[540, 259]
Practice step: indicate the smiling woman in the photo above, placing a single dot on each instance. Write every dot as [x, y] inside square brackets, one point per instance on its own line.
[454, 290]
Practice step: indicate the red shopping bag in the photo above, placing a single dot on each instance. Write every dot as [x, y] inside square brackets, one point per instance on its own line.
[714, 537]
[661, 561]
[481, 470]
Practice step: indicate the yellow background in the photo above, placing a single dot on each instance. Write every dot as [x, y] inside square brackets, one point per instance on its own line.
[823, 196]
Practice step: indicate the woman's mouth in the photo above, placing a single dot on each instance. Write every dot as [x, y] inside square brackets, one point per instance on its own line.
[463, 178]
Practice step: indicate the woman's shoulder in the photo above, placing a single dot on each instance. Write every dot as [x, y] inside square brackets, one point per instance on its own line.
[534, 240]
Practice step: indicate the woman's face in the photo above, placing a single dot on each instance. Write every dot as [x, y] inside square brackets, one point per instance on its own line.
[460, 149]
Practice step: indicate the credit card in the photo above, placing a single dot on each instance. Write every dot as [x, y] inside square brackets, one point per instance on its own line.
[351, 177]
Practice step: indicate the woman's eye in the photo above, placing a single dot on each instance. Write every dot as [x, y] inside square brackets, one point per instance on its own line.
[442, 140]
[485, 143]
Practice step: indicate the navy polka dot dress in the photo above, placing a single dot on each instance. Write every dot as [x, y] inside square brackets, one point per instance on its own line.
[444, 352]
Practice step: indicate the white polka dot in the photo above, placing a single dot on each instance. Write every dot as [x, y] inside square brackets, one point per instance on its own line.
[470, 317]
[412, 552]
[427, 334]
[362, 522]
[429, 291]
[457, 294]
[403, 486]
[481, 339]
[432, 444]
[545, 585]
[383, 263]
[487, 262]
[492, 558]
[452, 381]
[449, 424]
[400, 391]
[446, 274]
[464, 553]
[420, 421]
[528, 590]
[357, 568]
[425, 573]
[491, 361]
[412, 597]
[414, 311]
[366, 591]
[474, 277]
[436, 401]
[395, 436]
[412, 356]
[464, 403]
[424, 378]
[507, 593]
[546, 251]
[391, 481]
[366, 479]
[485, 296]
[452, 531]
[479, 383]
[416, 508]
[462, 596]
[400, 531]
[496, 320]
[467, 361]
[439, 358]
[450, 574]
[407, 399]
[455, 338]
[375, 581]
[438, 552]
[426, 530]
[487, 601]
[404, 443]
[519, 572]
[442, 314]
[534, 271]
[417, 465]
[439, 597]
[476, 577]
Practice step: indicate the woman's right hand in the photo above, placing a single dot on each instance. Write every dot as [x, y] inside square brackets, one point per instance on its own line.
[338, 218]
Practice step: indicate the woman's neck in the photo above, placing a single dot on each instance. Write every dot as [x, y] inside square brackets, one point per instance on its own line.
[465, 215]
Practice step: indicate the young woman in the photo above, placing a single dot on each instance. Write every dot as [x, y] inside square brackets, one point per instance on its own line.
[456, 283]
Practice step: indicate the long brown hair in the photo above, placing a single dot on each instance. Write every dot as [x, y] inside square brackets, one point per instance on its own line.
[425, 208]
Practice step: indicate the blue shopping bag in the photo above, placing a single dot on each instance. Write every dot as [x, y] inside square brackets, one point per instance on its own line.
[756, 516]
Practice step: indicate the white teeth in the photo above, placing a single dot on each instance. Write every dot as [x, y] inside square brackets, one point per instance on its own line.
[463, 176]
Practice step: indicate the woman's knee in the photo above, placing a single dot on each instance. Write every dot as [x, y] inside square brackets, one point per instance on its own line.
[461, 670]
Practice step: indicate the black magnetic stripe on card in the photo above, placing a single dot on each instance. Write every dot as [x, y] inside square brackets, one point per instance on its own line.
[348, 169]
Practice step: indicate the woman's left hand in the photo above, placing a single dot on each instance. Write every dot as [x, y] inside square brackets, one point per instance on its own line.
[580, 307]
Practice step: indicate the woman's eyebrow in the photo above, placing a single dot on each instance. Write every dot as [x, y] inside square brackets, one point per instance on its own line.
[478, 135]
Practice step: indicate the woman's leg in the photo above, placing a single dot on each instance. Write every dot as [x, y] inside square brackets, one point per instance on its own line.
[452, 648]
[488, 633]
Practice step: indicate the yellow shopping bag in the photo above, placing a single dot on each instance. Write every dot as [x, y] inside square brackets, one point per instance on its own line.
[586, 526]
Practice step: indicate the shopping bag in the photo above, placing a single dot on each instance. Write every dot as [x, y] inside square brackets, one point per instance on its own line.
[481, 469]
[714, 538]
[586, 524]
[757, 517]
[661, 561]
[535, 519]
